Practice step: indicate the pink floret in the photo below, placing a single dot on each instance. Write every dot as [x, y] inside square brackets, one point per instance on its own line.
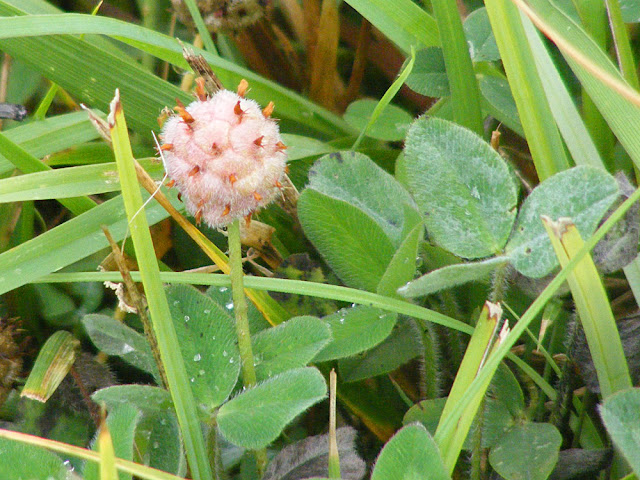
[227, 163]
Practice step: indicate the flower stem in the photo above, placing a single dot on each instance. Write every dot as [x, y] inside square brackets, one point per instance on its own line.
[240, 305]
[242, 320]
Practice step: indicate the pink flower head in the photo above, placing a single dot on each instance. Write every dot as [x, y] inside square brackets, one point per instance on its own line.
[225, 156]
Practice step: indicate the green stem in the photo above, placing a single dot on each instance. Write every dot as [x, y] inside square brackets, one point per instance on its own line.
[499, 286]
[240, 305]
[242, 320]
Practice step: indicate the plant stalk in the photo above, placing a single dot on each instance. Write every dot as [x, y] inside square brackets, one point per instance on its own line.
[242, 320]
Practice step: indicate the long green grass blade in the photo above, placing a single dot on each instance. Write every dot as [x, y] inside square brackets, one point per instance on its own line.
[621, 41]
[606, 90]
[159, 312]
[65, 244]
[542, 134]
[312, 289]
[49, 136]
[465, 93]
[69, 182]
[479, 347]
[29, 164]
[77, 64]
[566, 115]
[401, 21]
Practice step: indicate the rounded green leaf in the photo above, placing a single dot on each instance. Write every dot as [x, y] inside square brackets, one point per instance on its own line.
[356, 329]
[19, 461]
[291, 344]
[527, 452]
[157, 434]
[462, 187]
[257, 416]
[621, 415]
[582, 193]
[499, 101]
[392, 125]
[411, 454]
[398, 348]
[482, 43]
[429, 74]
[115, 338]
[351, 242]
[208, 343]
[427, 412]
[357, 180]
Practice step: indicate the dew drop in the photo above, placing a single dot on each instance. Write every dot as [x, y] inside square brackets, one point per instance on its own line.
[229, 306]
[207, 311]
[223, 289]
[126, 348]
[341, 320]
[197, 357]
[187, 318]
[201, 372]
[224, 353]
[176, 302]
[193, 379]
[156, 444]
[231, 360]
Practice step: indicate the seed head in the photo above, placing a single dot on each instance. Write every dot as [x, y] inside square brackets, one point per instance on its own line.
[225, 157]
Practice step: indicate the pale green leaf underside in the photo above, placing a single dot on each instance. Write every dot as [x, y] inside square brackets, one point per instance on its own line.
[353, 244]
[451, 276]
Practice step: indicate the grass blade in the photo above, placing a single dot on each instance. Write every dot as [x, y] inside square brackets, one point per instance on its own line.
[465, 94]
[157, 301]
[593, 307]
[542, 135]
[401, 21]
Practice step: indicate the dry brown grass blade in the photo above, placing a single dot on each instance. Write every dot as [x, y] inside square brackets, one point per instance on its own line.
[311, 10]
[261, 49]
[202, 69]
[359, 64]
[323, 61]
[294, 16]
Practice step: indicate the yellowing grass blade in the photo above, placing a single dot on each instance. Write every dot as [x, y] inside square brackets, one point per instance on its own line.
[53, 363]
[108, 470]
[481, 346]
[593, 307]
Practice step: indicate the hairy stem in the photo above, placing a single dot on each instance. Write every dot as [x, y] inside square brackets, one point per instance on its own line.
[242, 320]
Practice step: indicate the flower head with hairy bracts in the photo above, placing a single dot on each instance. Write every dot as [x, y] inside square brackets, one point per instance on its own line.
[225, 155]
